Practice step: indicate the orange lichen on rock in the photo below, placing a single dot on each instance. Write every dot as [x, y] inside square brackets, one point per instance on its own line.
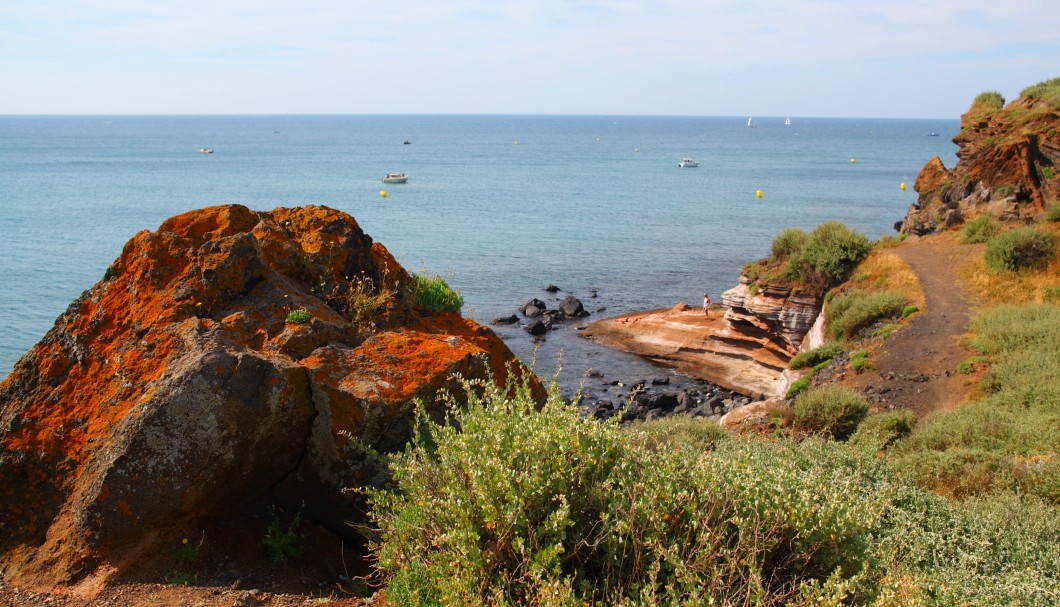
[176, 388]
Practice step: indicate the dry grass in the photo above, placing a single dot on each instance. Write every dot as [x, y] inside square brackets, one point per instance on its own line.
[1039, 286]
[885, 271]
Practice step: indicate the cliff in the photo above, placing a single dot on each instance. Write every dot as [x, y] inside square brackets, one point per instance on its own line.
[176, 387]
[1008, 167]
[743, 346]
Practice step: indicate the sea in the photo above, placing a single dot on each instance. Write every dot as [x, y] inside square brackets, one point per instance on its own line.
[500, 206]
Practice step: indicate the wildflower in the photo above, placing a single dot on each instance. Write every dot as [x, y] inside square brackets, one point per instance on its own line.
[184, 541]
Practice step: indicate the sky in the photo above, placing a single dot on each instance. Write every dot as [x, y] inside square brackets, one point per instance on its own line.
[887, 58]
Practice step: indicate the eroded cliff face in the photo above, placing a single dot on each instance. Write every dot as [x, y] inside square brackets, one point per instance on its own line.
[1008, 167]
[773, 311]
[175, 388]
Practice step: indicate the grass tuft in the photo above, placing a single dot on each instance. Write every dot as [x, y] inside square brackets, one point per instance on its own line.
[812, 358]
[1020, 249]
[834, 411]
[298, 317]
[979, 230]
[850, 312]
[433, 293]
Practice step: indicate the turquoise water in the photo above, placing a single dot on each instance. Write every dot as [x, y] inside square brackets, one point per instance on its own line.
[500, 205]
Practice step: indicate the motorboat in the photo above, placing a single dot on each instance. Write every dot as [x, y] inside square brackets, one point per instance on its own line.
[395, 178]
[205, 151]
[687, 163]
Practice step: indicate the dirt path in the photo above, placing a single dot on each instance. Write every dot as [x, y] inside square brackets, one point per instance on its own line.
[916, 368]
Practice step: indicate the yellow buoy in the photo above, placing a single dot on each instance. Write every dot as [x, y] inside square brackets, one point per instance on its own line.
[852, 160]
[758, 194]
[382, 193]
[902, 186]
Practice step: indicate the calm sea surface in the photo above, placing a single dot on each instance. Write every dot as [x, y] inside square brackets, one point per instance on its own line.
[499, 205]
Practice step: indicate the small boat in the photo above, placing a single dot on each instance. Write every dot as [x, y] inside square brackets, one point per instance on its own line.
[205, 151]
[933, 134]
[787, 122]
[407, 142]
[395, 178]
[687, 163]
[750, 123]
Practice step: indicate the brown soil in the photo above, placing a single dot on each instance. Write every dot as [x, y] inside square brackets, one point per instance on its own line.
[229, 569]
[916, 367]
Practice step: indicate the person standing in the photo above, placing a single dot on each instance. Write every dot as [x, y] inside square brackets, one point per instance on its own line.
[706, 304]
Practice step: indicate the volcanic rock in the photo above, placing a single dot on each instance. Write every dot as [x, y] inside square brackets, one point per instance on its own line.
[1006, 168]
[176, 388]
[572, 307]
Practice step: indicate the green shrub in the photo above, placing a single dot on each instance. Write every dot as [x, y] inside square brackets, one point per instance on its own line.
[797, 387]
[830, 254]
[812, 358]
[433, 293]
[909, 311]
[885, 331]
[1048, 172]
[989, 100]
[882, 430]
[299, 317]
[980, 229]
[1052, 213]
[789, 242]
[833, 411]
[515, 505]
[282, 543]
[1047, 90]
[854, 310]
[1020, 249]
[859, 361]
[979, 552]
[677, 431]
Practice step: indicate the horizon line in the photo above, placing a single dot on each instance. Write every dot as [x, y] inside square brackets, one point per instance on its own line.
[448, 114]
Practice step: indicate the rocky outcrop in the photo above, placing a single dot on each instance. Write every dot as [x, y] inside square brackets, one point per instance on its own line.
[1008, 167]
[746, 349]
[771, 311]
[741, 357]
[176, 387]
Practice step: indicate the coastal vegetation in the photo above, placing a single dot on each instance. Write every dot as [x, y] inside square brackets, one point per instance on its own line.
[671, 512]
[979, 230]
[816, 260]
[299, 316]
[833, 411]
[851, 311]
[811, 358]
[1047, 90]
[433, 293]
[1019, 249]
[990, 100]
[1052, 212]
[1006, 440]
[579, 512]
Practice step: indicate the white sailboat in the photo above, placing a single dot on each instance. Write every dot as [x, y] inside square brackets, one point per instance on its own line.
[787, 121]
[750, 123]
